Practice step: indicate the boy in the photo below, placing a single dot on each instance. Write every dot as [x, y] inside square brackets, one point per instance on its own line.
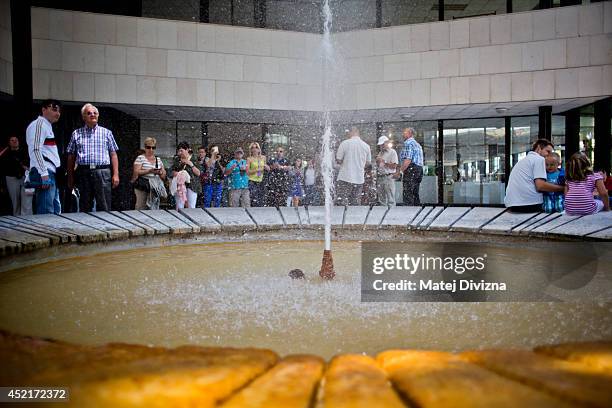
[553, 202]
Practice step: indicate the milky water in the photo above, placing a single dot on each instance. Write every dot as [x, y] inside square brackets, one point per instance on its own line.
[239, 294]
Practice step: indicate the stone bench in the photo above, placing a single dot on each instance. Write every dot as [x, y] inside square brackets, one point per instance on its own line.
[30, 233]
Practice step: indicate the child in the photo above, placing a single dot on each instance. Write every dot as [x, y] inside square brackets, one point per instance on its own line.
[553, 202]
[579, 186]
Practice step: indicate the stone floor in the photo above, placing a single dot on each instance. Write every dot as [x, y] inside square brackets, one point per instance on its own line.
[29, 233]
[122, 375]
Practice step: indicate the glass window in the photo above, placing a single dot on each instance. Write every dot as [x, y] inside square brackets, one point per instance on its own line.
[558, 136]
[164, 131]
[401, 12]
[229, 136]
[463, 9]
[295, 16]
[587, 128]
[236, 12]
[299, 141]
[474, 159]
[190, 132]
[353, 15]
[524, 131]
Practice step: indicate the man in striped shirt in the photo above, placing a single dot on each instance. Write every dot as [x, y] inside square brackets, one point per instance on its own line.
[412, 167]
[94, 150]
[44, 158]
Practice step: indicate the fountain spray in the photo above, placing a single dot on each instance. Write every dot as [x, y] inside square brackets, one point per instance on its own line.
[327, 170]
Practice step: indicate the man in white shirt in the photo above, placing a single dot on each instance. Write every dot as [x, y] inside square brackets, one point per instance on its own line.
[386, 162]
[528, 180]
[353, 154]
[44, 158]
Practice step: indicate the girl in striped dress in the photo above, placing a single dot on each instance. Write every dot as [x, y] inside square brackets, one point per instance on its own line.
[580, 184]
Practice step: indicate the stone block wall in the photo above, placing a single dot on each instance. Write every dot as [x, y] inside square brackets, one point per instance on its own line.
[547, 54]
[83, 56]
[539, 55]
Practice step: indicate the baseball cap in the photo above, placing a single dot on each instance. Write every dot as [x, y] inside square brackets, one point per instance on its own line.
[239, 150]
[382, 140]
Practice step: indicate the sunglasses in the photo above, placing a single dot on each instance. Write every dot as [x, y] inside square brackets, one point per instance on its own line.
[150, 147]
[92, 113]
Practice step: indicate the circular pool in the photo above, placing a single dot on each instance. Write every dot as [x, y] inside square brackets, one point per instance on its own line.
[239, 294]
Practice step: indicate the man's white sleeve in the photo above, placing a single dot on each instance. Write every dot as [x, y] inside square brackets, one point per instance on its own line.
[35, 134]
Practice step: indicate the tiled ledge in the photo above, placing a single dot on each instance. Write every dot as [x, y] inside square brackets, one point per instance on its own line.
[574, 374]
[30, 233]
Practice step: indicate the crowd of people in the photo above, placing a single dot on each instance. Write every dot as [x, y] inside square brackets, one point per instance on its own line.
[205, 178]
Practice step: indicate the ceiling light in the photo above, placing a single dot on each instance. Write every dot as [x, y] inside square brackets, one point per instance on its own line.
[501, 109]
[406, 115]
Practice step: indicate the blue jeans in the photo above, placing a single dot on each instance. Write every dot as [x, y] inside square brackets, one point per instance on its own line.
[213, 192]
[46, 199]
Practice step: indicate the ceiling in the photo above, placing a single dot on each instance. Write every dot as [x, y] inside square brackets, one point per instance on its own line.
[202, 114]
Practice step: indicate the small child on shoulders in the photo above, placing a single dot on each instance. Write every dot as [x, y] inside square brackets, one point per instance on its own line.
[580, 184]
[554, 202]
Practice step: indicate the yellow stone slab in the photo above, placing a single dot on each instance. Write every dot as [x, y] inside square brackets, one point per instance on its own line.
[119, 375]
[355, 381]
[440, 379]
[569, 380]
[596, 354]
[290, 383]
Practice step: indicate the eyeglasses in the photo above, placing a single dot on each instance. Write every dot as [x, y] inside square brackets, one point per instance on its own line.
[92, 113]
[150, 147]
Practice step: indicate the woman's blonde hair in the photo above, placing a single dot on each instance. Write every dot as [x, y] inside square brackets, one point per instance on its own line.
[254, 144]
[150, 140]
[578, 167]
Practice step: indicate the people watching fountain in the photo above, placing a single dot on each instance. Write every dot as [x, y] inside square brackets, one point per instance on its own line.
[149, 171]
[213, 179]
[297, 190]
[256, 166]
[278, 180]
[44, 158]
[386, 170]
[527, 180]
[353, 154]
[94, 151]
[411, 159]
[238, 180]
[14, 163]
[185, 178]
[580, 184]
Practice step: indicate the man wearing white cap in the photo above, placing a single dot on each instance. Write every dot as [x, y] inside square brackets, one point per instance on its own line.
[386, 169]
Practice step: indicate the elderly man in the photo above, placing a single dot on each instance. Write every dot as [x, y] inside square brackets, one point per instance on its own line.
[527, 180]
[412, 167]
[386, 162]
[95, 151]
[44, 158]
[353, 154]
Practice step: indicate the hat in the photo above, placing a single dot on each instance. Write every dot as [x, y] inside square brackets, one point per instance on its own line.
[239, 150]
[382, 140]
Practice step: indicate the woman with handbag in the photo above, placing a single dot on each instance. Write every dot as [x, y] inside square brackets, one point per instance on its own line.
[149, 172]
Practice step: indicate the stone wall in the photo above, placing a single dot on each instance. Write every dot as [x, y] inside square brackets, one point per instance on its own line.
[83, 57]
[540, 55]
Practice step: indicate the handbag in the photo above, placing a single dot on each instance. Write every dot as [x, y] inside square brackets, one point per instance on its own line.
[142, 184]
